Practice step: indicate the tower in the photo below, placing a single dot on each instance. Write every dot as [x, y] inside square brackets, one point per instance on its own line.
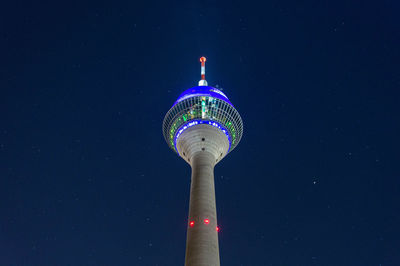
[202, 127]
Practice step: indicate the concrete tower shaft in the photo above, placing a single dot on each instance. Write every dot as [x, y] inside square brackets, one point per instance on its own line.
[202, 239]
[202, 146]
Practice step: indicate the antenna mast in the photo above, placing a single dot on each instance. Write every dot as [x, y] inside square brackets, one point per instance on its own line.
[203, 81]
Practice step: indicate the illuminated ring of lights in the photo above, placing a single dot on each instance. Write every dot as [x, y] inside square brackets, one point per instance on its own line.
[192, 123]
[203, 91]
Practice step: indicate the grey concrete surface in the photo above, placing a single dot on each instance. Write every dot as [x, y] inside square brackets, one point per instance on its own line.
[202, 238]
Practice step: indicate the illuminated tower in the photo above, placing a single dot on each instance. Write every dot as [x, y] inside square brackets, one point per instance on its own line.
[202, 127]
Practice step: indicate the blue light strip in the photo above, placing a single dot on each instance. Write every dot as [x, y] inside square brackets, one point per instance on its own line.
[203, 91]
[192, 123]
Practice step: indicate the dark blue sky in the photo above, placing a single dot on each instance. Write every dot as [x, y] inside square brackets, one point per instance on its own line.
[87, 179]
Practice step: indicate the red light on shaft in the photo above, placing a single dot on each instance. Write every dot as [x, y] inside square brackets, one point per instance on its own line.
[206, 221]
[191, 223]
[217, 229]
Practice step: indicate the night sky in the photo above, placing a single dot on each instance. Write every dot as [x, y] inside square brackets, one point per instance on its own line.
[86, 177]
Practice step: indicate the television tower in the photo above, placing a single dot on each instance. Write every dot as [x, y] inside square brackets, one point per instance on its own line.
[202, 127]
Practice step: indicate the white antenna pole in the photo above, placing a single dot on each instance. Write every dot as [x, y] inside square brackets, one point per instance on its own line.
[203, 81]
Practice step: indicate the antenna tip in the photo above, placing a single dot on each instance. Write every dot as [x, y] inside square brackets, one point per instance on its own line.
[202, 59]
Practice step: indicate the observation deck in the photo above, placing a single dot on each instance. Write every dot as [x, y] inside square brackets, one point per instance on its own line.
[202, 105]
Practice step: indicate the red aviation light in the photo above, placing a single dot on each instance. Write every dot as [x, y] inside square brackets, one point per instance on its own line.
[217, 229]
[202, 59]
[191, 223]
[206, 221]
